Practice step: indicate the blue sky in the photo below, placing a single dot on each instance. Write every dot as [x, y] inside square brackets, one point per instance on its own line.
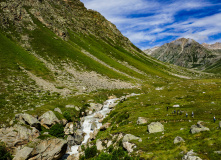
[149, 23]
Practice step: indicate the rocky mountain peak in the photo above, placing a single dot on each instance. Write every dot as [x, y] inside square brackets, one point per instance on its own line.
[216, 45]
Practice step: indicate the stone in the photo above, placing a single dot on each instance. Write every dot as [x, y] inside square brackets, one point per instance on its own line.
[69, 128]
[64, 122]
[48, 119]
[94, 134]
[178, 140]
[74, 157]
[71, 142]
[109, 143]
[78, 136]
[58, 110]
[191, 156]
[28, 119]
[111, 106]
[23, 154]
[98, 115]
[217, 152]
[141, 120]
[17, 136]
[219, 124]
[105, 126]
[93, 125]
[155, 127]
[96, 107]
[128, 146]
[50, 149]
[129, 137]
[99, 145]
[198, 128]
[120, 136]
[176, 105]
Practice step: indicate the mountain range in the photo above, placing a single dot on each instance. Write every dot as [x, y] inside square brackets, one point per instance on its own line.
[190, 54]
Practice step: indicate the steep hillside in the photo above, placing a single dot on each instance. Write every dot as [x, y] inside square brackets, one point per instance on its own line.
[51, 49]
[186, 53]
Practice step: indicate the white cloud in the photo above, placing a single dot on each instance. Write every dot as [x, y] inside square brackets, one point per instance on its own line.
[158, 20]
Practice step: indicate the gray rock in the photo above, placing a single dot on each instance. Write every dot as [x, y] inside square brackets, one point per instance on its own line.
[155, 127]
[178, 140]
[198, 128]
[191, 156]
[78, 137]
[17, 136]
[99, 145]
[219, 124]
[129, 137]
[109, 143]
[141, 120]
[98, 115]
[128, 146]
[58, 110]
[23, 154]
[50, 149]
[96, 106]
[71, 142]
[28, 119]
[48, 119]
[94, 134]
[93, 125]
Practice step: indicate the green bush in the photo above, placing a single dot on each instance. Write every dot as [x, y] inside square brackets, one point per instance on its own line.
[90, 152]
[67, 115]
[4, 154]
[57, 130]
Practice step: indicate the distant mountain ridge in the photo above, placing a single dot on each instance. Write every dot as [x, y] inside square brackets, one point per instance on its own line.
[216, 45]
[187, 53]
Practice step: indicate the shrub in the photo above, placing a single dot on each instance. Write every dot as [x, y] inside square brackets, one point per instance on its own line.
[104, 156]
[4, 154]
[67, 115]
[90, 152]
[57, 130]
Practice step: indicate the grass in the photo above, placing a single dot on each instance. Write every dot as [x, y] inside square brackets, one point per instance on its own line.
[203, 97]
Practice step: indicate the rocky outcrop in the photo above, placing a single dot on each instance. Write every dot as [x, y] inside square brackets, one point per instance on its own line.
[23, 154]
[78, 136]
[178, 140]
[191, 156]
[48, 119]
[28, 119]
[141, 120]
[50, 149]
[155, 127]
[17, 136]
[198, 128]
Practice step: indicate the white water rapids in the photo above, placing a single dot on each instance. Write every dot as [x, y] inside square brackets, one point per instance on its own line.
[88, 122]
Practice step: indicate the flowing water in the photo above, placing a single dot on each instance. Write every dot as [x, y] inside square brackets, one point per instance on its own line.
[87, 122]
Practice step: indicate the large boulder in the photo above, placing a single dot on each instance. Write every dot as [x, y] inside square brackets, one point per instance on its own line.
[191, 156]
[129, 137]
[50, 149]
[178, 140]
[17, 136]
[155, 127]
[48, 119]
[198, 128]
[141, 120]
[28, 119]
[23, 154]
